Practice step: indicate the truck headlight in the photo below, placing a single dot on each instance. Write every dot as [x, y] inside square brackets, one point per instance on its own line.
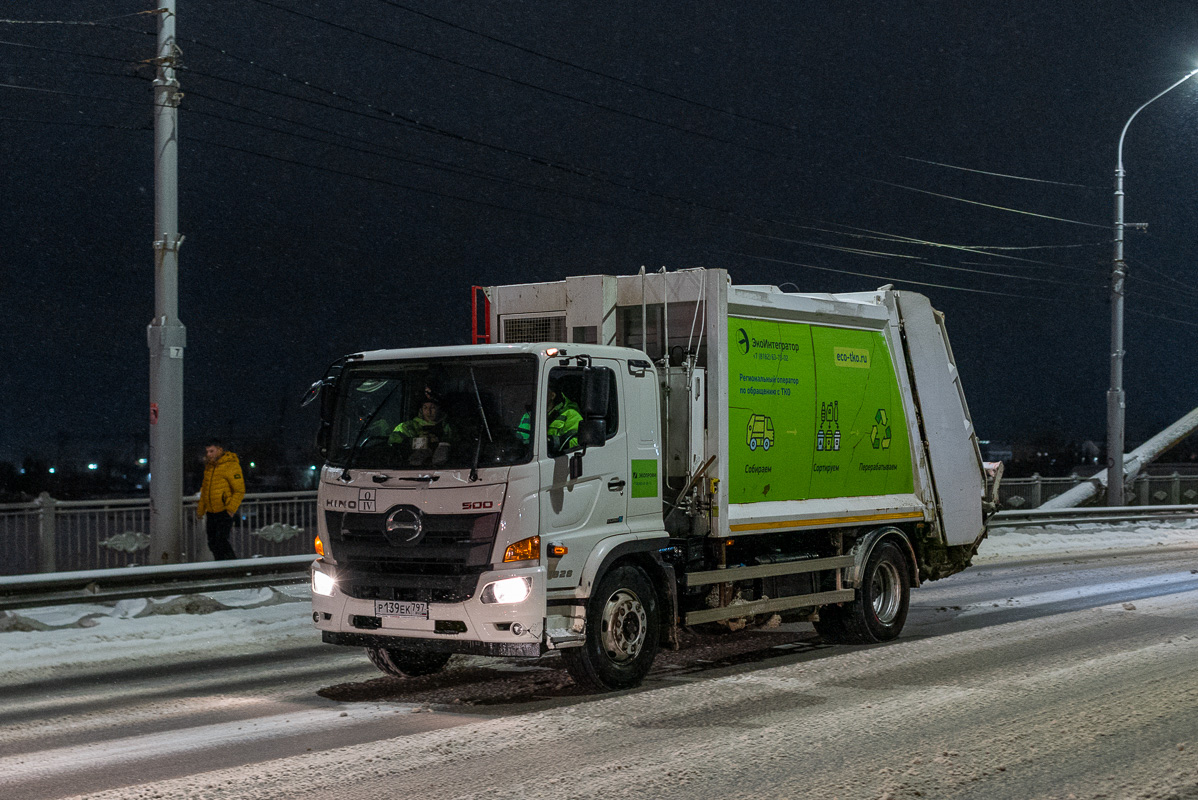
[323, 583]
[508, 590]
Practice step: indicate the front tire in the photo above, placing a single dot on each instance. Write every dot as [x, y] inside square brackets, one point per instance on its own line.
[400, 663]
[880, 610]
[623, 633]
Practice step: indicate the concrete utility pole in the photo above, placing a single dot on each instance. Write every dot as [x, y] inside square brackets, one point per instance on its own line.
[1115, 400]
[166, 335]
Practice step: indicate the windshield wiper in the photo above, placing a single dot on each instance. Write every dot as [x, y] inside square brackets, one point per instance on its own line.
[362, 437]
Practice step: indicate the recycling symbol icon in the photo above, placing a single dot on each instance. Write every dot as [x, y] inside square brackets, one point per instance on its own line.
[879, 434]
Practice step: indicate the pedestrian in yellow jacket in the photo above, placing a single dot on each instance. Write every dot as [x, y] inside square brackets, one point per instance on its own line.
[220, 497]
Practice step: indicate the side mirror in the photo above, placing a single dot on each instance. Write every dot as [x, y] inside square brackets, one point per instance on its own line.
[595, 389]
[312, 393]
[326, 390]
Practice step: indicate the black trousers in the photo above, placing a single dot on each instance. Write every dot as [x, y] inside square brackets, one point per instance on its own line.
[219, 525]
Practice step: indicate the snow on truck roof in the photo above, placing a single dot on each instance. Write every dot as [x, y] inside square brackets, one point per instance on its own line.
[483, 350]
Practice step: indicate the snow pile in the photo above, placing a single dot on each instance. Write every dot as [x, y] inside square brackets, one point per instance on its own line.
[40, 643]
[90, 615]
[1016, 544]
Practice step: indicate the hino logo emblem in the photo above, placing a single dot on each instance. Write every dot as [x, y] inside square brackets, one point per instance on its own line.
[404, 526]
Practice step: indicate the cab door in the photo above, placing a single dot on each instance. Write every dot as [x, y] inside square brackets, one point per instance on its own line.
[578, 513]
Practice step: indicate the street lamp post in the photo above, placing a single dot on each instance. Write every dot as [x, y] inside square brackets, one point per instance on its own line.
[1115, 401]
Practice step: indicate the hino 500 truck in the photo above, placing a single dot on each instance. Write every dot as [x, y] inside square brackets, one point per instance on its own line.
[619, 458]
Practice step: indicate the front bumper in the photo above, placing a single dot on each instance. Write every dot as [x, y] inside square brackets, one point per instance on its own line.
[474, 627]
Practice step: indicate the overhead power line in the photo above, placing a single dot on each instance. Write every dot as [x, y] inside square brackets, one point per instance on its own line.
[592, 174]
[918, 259]
[892, 278]
[588, 70]
[1188, 288]
[516, 81]
[1187, 323]
[65, 93]
[996, 174]
[338, 137]
[381, 114]
[89, 22]
[375, 179]
[895, 237]
[987, 205]
[391, 156]
[74, 124]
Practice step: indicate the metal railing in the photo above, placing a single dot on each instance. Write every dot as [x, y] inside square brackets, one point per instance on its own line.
[109, 585]
[1147, 490]
[49, 535]
[1090, 514]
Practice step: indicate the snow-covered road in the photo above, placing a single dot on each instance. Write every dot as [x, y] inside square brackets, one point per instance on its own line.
[1050, 669]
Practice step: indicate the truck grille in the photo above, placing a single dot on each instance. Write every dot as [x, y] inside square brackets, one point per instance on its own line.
[441, 566]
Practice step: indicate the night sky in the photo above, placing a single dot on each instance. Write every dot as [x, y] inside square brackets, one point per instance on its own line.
[349, 169]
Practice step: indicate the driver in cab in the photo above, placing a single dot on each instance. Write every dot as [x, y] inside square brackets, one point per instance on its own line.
[563, 420]
[428, 432]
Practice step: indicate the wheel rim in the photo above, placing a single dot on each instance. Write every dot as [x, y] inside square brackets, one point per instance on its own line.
[624, 626]
[887, 591]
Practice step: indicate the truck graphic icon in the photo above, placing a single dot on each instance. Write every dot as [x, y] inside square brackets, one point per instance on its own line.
[760, 432]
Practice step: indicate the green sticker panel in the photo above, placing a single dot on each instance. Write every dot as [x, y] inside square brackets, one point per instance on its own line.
[644, 477]
[813, 412]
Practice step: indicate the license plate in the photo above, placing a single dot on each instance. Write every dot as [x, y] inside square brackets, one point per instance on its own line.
[400, 608]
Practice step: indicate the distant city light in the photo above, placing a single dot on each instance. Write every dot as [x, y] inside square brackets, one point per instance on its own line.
[52, 470]
[93, 466]
[141, 461]
[252, 465]
[313, 467]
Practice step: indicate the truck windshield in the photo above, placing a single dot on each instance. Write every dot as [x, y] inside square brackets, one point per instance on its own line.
[438, 413]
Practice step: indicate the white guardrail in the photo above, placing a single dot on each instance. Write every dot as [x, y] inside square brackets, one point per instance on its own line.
[89, 586]
[49, 535]
[109, 585]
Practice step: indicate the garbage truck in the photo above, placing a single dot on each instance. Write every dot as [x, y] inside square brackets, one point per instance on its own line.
[616, 459]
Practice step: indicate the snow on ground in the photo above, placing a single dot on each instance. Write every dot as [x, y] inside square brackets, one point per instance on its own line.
[1011, 544]
[39, 643]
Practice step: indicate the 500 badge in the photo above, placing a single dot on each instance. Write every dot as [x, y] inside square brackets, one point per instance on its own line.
[475, 505]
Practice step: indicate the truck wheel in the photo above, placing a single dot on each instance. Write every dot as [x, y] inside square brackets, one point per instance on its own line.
[406, 663]
[880, 610]
[623, 632]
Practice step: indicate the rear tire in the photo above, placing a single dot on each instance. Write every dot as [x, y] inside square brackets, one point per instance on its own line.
[880, 610]
[402, 663]
[623, 633]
